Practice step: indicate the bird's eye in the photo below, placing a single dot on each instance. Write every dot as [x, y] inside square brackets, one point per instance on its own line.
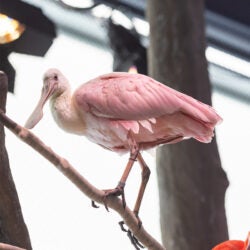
[55, 77]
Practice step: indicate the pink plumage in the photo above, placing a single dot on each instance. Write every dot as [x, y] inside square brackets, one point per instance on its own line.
[126, 112]
[155, 113]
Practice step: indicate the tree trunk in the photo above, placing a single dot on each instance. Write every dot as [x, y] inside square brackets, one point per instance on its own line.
[12, 227]
[192, 183]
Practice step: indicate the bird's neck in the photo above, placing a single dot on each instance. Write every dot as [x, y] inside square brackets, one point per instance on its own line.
[65, 114]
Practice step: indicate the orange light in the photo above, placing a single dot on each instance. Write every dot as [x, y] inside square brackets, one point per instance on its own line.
[133, 70]
[10, 29]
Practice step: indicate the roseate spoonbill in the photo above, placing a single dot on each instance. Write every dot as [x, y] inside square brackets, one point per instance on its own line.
[125, 112]
[234, 245]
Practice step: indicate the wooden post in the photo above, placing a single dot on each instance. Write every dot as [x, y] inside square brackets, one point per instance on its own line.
[191, 180]
[12, 227]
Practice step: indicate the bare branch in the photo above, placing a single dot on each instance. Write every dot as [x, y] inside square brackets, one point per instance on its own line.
[4, 246]
[88, 189]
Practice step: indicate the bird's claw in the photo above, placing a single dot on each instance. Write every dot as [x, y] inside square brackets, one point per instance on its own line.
[93, 204]
[121, 223]
[130, 235]
[119, 190]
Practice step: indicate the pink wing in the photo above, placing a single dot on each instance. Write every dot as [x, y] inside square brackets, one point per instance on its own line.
[137, 97]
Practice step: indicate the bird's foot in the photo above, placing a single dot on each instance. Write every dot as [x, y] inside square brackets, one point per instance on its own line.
[130, 235]
[119, 190]
[93, 204]
[139, 222]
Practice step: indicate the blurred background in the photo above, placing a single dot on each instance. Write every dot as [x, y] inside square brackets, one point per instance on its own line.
[85, 39]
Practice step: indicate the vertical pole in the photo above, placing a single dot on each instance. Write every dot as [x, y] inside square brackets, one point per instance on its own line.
[12, 226]
[191, 181]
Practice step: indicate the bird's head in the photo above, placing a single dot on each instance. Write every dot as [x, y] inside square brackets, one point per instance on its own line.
[54, 84]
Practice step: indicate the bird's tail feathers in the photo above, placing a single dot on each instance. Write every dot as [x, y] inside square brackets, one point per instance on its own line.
[201, 111]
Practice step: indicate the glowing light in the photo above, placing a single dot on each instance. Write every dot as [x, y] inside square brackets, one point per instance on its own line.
[10, 29]
[102, 11]
[141, 26]
[78, 3]
[133, 70]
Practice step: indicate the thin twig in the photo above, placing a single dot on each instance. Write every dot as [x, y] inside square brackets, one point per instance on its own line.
[88, 189]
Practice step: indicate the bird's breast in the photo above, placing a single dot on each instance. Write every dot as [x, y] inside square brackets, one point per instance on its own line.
[66, 116]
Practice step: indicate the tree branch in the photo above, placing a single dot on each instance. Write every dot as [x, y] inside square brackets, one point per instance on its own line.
[88, 189]
[4, 246]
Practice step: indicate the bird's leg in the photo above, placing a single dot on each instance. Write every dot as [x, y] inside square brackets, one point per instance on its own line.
[145, 177]
[119, 190]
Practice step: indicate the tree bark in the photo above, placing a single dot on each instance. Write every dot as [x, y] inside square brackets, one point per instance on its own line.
[12, 227]
[191, 181]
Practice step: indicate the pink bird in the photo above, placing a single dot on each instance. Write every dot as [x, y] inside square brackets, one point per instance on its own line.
[125, 112]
